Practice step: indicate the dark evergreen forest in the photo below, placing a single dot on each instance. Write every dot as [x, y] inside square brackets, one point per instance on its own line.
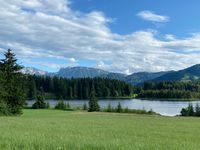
[62, 88]
[171, 90]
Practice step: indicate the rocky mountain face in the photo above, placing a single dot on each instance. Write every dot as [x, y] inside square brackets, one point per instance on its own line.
[188, 74]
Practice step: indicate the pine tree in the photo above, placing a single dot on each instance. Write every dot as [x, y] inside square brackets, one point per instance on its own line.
[93, 102]
[190, 110]
[109, 108]
[197, 110]
[119, 108]
[61, 105]
[85, 106]
[31, 89]
[40, 102]
[12, 92]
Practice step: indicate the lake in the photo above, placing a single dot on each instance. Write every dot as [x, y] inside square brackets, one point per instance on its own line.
[166, 108]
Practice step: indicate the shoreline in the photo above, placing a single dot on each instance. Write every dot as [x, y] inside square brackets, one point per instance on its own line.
[128, 98]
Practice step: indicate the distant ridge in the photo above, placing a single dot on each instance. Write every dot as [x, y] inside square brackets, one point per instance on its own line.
[80, 72]
[189, 74]
[33, 71]
[84, 72]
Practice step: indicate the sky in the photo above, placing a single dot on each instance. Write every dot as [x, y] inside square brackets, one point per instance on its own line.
[124, 36]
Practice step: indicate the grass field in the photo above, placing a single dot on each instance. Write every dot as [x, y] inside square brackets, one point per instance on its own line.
[54, 129]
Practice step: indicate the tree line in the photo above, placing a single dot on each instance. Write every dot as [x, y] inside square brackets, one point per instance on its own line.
[16, 88]
[12, 86]
[171, 90]
[63, 88]
[190, 110]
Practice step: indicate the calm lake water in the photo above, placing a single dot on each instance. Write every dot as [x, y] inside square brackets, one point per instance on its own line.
[166, 108]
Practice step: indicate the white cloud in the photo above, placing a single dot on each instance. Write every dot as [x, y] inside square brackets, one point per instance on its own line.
[48, 29]
[72, 60]
[151, 16]
[170, 37]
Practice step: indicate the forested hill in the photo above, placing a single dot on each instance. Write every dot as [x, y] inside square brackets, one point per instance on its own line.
[77, 88]
[171, 90]
[189, 74]
[85, 72]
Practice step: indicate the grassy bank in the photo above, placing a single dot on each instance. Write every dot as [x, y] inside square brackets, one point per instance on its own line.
[54, 129]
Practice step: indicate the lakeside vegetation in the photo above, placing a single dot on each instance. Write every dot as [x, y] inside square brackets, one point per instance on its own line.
[112, 89]
[190, 110]
[55, 129]
[92, 106]
[12, 85]
[172, 90]
[62, 88]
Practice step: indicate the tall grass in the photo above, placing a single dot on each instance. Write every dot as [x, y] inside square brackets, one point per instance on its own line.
[55, 129]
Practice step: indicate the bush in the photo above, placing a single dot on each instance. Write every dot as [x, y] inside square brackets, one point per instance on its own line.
[119, 108]
[109, 108]
[4, 109]
[197, 110]
[184, 112]
[40, 103]
[47, 105]
[85, 107]
[68, 105]
[61, 105]
[126, 110]
[190, 111]
[93, 102]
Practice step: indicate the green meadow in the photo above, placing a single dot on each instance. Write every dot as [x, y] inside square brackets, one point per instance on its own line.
[78, 130]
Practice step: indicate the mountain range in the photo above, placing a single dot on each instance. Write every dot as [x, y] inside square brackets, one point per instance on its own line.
[188, 74]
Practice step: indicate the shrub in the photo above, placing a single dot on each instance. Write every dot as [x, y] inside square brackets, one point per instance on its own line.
[184, 112]
[4, 110]
[68, 106]
[109, 108]
[47, 105]
[61, 105]
[119, 108]
[85, 107]
[40, 103]
[126, 110]
[197, 110]
[191, 111]
[93, 102]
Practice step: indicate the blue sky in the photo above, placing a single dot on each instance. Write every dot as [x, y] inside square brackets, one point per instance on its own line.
[123, 36]
[183, 14]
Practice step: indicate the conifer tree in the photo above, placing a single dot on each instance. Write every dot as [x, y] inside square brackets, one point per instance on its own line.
[197, 110]
[12, 92]
[109, 108]
[93, 102]
[40, 102]
[119, 108]
[190, 110]
[32, 92]
[61, 105]
[85, 106]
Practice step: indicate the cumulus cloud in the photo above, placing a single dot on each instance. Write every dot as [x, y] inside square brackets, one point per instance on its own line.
[49, 29]
[151, 16]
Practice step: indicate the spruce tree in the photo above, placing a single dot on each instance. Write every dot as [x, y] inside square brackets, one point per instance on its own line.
[12, 92]
[85, 106]
[119, 108]
[61, 105]
[197, 110]
[109, 108]
[32, 92]
[40, 102]
[191, 110]
[93, 102]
